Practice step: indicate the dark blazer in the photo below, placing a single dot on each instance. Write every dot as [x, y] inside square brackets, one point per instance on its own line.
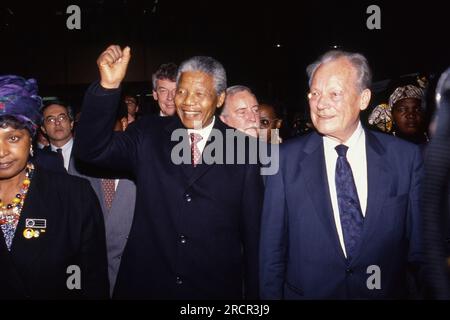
[119, 218]
[195, 231]
[49, 160]
[301, 256]
[37, 268]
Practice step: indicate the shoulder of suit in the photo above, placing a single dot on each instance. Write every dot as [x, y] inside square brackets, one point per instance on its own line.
[62, 179]
[297, 142]
[152, 121]
[392, 143]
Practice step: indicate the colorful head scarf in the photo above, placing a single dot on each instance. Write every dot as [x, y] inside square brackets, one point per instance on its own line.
[408, 91]
[18, 98]
[381, 117]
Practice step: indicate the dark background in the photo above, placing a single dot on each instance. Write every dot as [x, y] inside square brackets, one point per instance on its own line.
[264, 45]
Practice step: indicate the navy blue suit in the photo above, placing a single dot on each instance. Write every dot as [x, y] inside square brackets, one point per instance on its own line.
[301, 256]
[195, 233]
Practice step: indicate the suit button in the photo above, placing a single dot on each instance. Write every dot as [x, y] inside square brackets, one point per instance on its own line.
[179, 281]
[183, 239]
[188, 198]
[349, 271]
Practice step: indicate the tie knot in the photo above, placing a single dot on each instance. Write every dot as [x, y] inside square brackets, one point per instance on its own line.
[195, 138]
[341, 150]
[59, 150]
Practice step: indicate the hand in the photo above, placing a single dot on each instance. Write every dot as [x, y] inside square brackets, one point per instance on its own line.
[112, 64]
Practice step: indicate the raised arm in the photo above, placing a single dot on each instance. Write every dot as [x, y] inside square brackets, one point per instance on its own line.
[95, 140]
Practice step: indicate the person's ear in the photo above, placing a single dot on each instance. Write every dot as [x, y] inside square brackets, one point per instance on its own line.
[71, 125]
[365, 99]
[155, 95]
[220, 100]
[43, 129]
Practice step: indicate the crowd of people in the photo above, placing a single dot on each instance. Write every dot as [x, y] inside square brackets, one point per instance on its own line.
[340, 218]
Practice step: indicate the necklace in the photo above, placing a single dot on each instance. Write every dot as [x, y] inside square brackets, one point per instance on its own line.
[10, 212]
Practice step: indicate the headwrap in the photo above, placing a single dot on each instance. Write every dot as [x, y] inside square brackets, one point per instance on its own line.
[408, 91]
[18, 98]
[381, 117]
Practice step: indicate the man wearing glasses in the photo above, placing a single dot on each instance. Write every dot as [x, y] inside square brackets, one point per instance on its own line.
[57, 124]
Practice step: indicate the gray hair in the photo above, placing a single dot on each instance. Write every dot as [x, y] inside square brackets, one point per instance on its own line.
[231, 91]
[206, 65]
[358, 61]
[58, 102]
[166, 71]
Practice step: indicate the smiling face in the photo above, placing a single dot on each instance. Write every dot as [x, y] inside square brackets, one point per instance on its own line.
[335, 99]
[14, 151]
[164, 94]
[196, 99]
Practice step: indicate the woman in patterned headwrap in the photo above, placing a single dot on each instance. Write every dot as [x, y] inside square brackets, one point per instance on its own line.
[407, 114]
[403, 116]
[52, 242]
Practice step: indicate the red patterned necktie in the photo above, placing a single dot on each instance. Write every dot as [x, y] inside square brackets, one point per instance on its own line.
[109, 190]
[196, 155]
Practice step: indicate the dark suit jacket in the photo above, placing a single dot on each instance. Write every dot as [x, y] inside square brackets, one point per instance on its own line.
[119, 218]
[37, 268]
[195, 232]
[301, 256]
[49, 160]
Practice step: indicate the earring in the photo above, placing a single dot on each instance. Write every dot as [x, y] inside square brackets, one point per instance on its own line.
[31, 151]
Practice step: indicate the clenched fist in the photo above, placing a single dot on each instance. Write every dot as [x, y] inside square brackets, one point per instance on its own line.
[113, 63]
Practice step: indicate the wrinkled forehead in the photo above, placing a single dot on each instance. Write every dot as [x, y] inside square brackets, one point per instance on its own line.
[166, 84]
[196, 80]
[242, 99]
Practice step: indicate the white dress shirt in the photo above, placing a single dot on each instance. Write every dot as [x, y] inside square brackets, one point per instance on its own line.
[204, 132]
[356, 156]
[66, 152]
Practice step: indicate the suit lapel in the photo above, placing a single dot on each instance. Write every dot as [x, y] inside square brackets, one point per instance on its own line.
[377, 176]
[184, 169]
[191, 174]
[202, 168]
[318, 189]
[26, 251]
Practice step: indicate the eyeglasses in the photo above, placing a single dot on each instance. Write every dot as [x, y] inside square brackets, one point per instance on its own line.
[61, 118]
[130, 101]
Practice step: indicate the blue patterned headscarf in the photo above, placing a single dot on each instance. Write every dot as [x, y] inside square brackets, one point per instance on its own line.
[18, 98]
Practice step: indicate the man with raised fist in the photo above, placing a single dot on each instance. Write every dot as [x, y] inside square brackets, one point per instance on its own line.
[195, 232]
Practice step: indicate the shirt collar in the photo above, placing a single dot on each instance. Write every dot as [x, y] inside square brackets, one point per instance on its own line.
[352, 141]
[204, 132]
[64, 147]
